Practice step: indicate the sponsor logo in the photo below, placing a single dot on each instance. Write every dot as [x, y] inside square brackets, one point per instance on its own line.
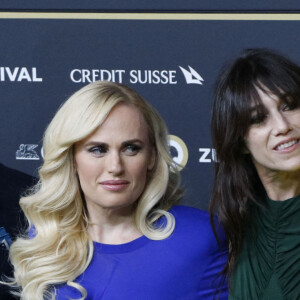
[208, 155]
[179, 151]
[19, 74]
[84, 75]
[191, 76]
[152, 77]
[27, 152]
[136, 76]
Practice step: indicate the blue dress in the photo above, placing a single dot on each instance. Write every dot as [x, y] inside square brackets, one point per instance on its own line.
[183, 266]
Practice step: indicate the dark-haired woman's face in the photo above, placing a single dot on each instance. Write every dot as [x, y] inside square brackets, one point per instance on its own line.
[273, 139]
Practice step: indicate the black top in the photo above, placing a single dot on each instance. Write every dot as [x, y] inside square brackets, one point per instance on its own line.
[12, 184]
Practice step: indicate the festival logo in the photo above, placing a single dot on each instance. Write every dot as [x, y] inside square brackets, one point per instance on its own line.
[19, 74]
[179, 151]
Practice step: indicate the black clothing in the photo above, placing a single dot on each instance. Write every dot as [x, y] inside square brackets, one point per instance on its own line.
[12, 184]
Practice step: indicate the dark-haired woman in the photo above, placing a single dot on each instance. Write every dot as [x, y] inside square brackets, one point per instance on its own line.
[256, 133]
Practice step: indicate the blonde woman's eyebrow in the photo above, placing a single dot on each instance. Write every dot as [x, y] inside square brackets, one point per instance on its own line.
[133, 141]
[125, 143]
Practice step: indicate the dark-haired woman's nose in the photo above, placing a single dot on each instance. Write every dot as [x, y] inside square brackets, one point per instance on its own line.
[280, 124]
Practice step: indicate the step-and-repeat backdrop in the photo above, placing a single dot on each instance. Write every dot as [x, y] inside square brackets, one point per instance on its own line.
[171, 60]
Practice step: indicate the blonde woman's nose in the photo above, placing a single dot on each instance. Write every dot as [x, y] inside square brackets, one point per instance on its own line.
[114, 163]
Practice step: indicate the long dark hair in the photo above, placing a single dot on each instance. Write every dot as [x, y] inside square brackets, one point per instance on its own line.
[237, 188]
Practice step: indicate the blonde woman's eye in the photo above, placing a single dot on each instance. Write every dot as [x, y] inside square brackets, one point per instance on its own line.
[98, 150]
[132, 149]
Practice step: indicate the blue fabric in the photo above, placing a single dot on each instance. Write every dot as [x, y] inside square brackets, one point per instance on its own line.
[183, 266]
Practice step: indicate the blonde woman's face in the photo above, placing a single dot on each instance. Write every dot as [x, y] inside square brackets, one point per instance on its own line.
[112, 163]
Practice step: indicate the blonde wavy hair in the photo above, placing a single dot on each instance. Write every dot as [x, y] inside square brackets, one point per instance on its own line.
[60, 248]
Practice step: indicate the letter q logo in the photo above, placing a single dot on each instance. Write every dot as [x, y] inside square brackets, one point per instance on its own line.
[178, 151]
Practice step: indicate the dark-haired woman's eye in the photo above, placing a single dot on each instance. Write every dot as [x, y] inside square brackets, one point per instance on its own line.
[257, 119]
[289, 106]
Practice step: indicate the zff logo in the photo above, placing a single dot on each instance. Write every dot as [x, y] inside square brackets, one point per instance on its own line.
[208, 155]
[191, 76]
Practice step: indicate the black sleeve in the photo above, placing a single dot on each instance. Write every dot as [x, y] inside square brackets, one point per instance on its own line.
[12, 184]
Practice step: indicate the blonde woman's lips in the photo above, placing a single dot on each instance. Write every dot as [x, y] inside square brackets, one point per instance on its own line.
[114, 185]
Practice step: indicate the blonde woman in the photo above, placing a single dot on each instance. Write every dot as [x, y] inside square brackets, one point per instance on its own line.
[102, 220]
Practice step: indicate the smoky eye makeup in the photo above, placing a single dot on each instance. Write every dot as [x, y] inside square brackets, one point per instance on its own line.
[97, 149]
[128, 147]
[132, 148]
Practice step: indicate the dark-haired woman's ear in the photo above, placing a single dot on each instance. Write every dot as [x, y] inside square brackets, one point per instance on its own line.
[245, 150]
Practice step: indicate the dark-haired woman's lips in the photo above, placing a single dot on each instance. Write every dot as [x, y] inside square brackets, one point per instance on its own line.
[114, 185]
[287, 145]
